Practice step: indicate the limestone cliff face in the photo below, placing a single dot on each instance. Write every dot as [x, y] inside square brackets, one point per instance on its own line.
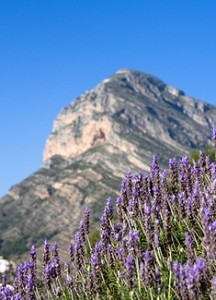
[95, 140]
[123, 103]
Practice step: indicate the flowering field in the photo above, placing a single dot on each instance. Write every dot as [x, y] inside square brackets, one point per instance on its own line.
[158, 243]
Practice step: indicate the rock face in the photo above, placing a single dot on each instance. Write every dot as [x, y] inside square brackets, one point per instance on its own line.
[95, 140]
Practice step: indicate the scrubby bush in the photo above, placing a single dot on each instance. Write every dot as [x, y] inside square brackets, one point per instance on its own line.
[160, 245]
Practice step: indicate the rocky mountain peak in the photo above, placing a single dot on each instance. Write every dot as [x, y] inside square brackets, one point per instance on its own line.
[124, 100]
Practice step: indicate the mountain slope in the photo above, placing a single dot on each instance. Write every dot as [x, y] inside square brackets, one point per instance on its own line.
[95, 140]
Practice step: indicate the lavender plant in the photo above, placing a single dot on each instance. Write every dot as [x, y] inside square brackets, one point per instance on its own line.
[159, 243]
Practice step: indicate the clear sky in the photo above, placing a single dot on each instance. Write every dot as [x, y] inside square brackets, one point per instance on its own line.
[51, 51]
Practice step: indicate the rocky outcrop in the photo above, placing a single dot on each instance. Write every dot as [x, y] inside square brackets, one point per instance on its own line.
[95, 140]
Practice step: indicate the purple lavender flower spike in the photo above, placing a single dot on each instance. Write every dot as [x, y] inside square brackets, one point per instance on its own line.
[17, 296]
[30, 287]
[200, 265]
[129, 185]
[46, 253]
[58, 291]
[54, 249]
[142, 272]
[185, 161]
[119, 209]
[31, 267]
[173, 168]
[119, 251]
[95, 268]
[87, 220]
[158, 279]
[155, 172]
[4, 281]
[132, 241]
[133, 208]
[189, 210]
[46, 245]
[201, 160]
[57, 266]
[71, 251]
[147, 268]
[69, 282]
[33, 256]
[21, 272]
[154, 163]
[214, 133]
[173, 164]
[148, 225]
[118, 202]
[175, 267]
[33, 251]
[147, 211]
[47, 274]
[164, 175]
[129, 271]
[213, 172]
[6, 293]
[67, 268]
[82, 230]
[78, 250]
[94, 260]
[124, 195]
[108, 210]
[189, 247]
[214, 138]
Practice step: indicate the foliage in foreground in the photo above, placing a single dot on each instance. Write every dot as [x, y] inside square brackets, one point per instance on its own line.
[160, 243]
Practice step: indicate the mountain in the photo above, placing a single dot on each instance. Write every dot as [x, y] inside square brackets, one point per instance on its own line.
[113, 128]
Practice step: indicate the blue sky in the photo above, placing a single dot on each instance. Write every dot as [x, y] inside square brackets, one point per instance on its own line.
[52, 51]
